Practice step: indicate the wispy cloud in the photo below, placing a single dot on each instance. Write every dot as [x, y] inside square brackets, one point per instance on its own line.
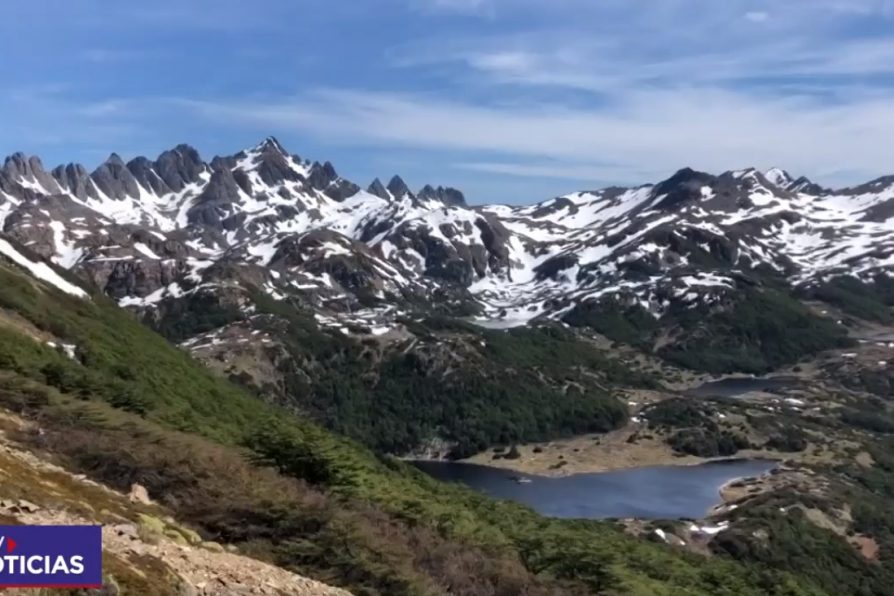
[757, 16]
[116, 55]
[556, 170]
[606, 64]
[650, 135]
[53, 115]
[467, 7]
[608, 90]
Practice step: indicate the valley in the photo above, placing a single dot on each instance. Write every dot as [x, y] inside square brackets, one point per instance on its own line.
[256, 338]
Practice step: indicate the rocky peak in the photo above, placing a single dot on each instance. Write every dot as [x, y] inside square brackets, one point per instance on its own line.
[321, 175]
[114, 179]
[324, 177]
[805, 185]
[778, 177]
[179, 167]
[450, 197]
[215, 203]
[270, 145]
[398, 188]
[684, 186]
[143, 171]
[20, 167]
[378, 189]
[688, 177]
[75, 179]
[273, 163]
[219, 162]
[115, 160]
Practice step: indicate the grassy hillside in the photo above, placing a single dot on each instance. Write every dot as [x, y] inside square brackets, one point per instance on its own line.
[130, 407]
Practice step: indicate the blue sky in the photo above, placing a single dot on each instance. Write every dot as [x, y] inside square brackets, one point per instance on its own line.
[509, 100]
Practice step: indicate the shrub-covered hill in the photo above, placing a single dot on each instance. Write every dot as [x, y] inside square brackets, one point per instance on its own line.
[757, 331]
[115, 401]
[448, 381]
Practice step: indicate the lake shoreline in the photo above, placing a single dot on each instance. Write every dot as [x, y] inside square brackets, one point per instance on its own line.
[592, 454]
[696, 492]
[675, 462]
[633, 446]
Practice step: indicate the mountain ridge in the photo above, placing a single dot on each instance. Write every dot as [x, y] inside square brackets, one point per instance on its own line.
[368, 315]
[161, 225]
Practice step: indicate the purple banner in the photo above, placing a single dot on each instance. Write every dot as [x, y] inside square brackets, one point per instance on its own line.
[50, 556]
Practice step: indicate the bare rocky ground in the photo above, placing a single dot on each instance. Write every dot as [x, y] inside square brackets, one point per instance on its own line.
[145, 551]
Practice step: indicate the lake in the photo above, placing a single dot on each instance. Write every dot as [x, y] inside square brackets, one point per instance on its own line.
[736, 386]
[660, 492]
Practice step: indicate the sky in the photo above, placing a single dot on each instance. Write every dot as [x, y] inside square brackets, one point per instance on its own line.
[511, 101]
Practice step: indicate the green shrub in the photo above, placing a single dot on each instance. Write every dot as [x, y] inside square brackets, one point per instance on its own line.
[856, 298]
[762, 331]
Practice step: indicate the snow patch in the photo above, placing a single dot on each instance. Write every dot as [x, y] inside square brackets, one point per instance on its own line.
[40, 270]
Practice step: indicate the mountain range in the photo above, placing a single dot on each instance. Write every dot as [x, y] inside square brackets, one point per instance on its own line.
[149, 232]
[356, 306]
[340, 327]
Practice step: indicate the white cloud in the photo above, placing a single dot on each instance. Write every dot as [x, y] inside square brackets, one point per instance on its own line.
[757, 16]
[607, 63]
[50, 119]
[649, 135]
[615, 90]
[558, 170]
[475, 7]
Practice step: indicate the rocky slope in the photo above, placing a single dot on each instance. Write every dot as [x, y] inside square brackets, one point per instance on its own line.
[149, 232]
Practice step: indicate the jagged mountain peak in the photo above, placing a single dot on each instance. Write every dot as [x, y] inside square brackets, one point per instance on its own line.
[270, 161]
[20, 165]
[688, 175]
[805, 185]
[74, 178]
[779, 177]
[28, 171]
[153, 230]
[72, 167]
[398, 188]
[114, 179]
[684, 186]
[270, 144]
[179, 167]
[115, 159]
[449, 197]
[376, 188]
[186, 150]
[17, 158]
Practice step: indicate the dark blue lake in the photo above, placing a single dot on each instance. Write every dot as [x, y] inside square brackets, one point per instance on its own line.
[661, 492]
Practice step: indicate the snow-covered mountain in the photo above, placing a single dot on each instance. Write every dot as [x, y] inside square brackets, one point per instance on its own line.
[152, 232]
